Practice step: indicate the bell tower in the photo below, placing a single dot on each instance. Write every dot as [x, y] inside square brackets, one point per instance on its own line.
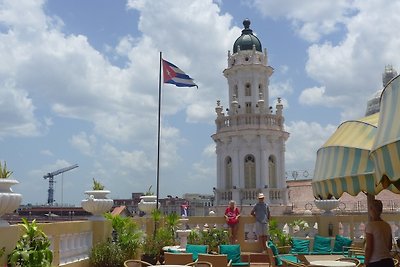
[250, 137]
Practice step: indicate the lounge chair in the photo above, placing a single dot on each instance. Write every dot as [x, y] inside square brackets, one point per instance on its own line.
[196, 249]
[234, 254]
[178, 258]
[218, 260]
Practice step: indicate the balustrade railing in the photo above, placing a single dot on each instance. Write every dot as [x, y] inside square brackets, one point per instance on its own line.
[72, 241]
[250, 121]
[249, 196]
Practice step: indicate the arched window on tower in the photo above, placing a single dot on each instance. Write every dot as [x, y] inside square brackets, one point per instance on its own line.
[260, 90]
[249, 172]
[272, 172]
[228, 173]
[247, 91]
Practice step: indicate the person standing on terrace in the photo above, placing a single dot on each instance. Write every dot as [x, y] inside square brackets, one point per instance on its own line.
[232, 215]
[262, 214]
[378, 239]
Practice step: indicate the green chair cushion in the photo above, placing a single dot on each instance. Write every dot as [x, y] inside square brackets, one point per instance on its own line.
[290, 258]
[341, 244]
[300, 246]
[233, 252]
[275, 251]
[322, 245]
[240, 264]
[196, 249]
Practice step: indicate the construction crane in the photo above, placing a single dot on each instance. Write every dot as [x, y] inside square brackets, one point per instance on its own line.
[50, 176]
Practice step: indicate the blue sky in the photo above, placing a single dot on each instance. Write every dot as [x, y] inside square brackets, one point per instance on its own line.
[79, 84]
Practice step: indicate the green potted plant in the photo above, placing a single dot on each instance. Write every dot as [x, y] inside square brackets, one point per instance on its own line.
[97, 185]
[148, 202]
[9, 201]
[107, 254]
[213, 237]
[96, 202]
[150, 250]
[128, 234]
[4, 172]
[149, 192]
[32, 249]
[282, 240]
[124, 246]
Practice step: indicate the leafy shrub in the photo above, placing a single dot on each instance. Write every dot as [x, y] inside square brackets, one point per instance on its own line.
[107, 254]
[277, 235]
[213, 237]
[125, 246]
[32, 249]
[128, 234]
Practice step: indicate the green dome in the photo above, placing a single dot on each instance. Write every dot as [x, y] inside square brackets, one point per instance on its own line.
[247, 39]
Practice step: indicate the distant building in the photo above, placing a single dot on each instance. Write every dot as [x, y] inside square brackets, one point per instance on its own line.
[199, 204]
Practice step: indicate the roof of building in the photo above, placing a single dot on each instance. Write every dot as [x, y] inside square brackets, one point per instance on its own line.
[247, 39]
[119, 210]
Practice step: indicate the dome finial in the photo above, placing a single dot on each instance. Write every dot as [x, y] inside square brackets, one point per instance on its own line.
[246, 23]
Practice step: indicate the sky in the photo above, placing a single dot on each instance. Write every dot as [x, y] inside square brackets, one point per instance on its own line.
[79, 85]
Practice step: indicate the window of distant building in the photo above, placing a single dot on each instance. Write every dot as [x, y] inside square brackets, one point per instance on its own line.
[247, 89]
[249, 172]
[248, 107]
[272, 172]
[228, 173]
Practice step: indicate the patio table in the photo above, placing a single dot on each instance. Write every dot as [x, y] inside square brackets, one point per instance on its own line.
[333, 263]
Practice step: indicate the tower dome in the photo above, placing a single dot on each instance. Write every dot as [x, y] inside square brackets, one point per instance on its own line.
[373, 105]
[247, 39]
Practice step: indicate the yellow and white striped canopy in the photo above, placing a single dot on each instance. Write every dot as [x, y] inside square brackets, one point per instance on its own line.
[385, 151]
[343, 163]
[363, 155]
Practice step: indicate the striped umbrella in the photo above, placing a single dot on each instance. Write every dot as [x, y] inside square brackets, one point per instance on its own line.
[385, 151]
[343, 163]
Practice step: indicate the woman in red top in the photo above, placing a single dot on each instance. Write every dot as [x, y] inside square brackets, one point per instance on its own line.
[232, 215]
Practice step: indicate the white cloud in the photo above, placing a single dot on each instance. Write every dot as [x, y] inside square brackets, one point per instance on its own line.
[352, 69]
[280, 89]
[17, 112]
[304, 141]
[209, 151]
[316, 96]
[46, 152]
[84, 143]
[133, 160]
[311, 19]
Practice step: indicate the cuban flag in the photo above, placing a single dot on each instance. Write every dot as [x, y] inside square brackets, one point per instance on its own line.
[174, 75]
[184, 210]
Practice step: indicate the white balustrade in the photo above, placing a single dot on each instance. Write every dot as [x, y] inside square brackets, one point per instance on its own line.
[75, 247]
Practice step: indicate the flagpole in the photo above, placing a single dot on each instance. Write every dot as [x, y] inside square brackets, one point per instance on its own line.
[159, 131]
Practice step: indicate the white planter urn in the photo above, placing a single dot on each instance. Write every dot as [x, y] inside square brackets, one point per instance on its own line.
[97, 204]
[147, 204]
[327, 205]
[9, 201]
